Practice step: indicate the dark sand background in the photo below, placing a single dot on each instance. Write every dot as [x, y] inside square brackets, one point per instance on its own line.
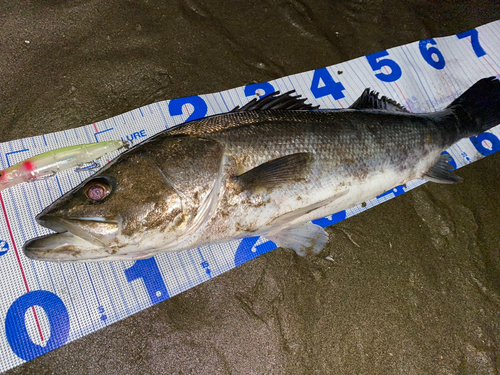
[415, 283]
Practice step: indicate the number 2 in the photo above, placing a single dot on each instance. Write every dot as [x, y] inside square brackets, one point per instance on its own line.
[199, 105]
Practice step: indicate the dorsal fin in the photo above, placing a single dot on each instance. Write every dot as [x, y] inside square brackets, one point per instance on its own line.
[276, 101]
[370, 100]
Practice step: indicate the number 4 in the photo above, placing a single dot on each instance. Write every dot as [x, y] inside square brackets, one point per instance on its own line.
[323, 85]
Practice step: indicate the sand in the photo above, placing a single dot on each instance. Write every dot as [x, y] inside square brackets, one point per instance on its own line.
[414, 286]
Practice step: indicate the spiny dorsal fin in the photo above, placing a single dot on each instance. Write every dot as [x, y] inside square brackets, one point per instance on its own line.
[276, 101]
[290, 168]
[441, 172]
[370, 100]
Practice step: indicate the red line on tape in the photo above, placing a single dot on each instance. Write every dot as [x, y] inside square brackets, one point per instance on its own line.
[19, 262]
[491, 66]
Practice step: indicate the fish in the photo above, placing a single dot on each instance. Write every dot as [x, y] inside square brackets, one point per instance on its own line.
[266, 169]
[47, 164]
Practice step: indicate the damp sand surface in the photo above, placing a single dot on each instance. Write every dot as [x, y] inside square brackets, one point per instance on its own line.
[414, 285]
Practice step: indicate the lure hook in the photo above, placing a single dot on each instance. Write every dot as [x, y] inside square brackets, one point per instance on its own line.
[92, 165]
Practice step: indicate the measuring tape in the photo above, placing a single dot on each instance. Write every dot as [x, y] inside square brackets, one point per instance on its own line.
[46, 305]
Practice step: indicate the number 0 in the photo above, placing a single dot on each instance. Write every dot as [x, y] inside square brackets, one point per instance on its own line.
[15, 325]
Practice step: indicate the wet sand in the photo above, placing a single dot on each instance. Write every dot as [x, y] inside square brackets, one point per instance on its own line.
[415, 282]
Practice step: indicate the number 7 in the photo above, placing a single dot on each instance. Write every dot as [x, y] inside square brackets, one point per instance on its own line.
[474, 39]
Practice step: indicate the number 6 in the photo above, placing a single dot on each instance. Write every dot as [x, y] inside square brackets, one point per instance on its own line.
[427, 53]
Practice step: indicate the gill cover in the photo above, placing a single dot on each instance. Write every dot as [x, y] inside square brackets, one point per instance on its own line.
[164, 189]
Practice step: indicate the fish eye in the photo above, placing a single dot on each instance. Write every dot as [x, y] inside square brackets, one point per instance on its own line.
[97, 190]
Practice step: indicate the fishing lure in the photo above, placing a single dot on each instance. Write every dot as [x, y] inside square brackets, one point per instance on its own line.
[49, 163]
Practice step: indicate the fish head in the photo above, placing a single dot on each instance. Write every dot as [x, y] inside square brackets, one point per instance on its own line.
[112, 215]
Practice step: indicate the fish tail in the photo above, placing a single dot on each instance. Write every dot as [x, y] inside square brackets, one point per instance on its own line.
[478, 109]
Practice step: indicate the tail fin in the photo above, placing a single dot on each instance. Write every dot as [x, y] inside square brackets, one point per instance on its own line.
[478, 109]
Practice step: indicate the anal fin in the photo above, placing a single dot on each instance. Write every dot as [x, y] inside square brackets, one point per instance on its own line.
[305, 239]
[441, 172]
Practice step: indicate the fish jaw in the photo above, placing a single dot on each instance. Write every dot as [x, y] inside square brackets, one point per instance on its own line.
[84, 238]
[62, 247]
[98, 231]
[90, 239]
[66, 247]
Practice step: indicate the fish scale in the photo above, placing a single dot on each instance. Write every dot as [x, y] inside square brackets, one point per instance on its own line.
[258, 172]
[331, 138]
[346, 157]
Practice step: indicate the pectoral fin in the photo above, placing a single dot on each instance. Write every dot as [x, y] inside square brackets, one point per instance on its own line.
[305, 239]
[290, 168]
[441, 172]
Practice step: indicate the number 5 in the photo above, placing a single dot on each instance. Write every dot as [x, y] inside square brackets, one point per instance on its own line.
[377, 62]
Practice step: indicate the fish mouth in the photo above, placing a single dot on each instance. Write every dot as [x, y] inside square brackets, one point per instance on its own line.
[61, 247]
[97, 231]
[75, 239]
